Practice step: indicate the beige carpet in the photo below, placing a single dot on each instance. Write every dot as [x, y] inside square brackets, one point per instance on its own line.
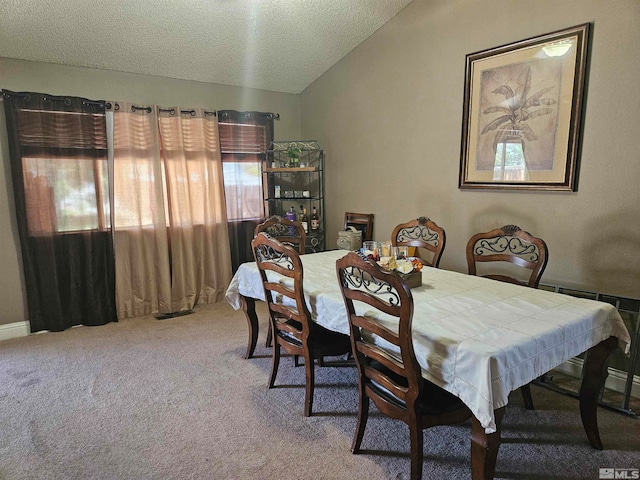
[174, 399]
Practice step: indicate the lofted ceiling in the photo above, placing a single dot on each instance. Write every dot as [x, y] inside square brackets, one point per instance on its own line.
[279, 45]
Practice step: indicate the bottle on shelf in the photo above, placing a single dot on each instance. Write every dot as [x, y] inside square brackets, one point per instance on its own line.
[315, 220]
[291, 215]
[302, 218]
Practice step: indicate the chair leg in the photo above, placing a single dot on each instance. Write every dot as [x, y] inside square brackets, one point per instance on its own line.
[249, 309]
[296, 360]
[309, 368]
[363, 415]
[526, 396]
[417, 446]
[269, 340]
[275, 362]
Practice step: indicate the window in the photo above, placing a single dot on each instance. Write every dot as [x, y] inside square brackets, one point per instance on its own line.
[244, 138]
[65, 194]
[64, 170]
[242, 180]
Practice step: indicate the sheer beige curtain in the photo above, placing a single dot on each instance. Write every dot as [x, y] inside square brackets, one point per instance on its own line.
[200, 255]
[171, 240]
[141, 244]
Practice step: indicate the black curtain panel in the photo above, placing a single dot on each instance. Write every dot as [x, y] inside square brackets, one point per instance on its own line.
[240, 236]
[244, 140]
[58, 155]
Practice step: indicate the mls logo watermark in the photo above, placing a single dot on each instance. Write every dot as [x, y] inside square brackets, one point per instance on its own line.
[624, 473]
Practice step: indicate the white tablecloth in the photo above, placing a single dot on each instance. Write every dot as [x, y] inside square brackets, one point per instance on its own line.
[477, 338]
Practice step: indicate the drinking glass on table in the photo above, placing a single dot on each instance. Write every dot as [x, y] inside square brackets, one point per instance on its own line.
[385, 248]
[400, 253]
[371, 250]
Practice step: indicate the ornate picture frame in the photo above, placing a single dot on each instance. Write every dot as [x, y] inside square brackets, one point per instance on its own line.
[522, 113]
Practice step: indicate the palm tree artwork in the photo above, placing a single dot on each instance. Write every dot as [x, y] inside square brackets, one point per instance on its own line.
[519, 103]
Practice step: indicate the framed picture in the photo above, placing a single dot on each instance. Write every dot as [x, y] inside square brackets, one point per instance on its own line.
[522, 112]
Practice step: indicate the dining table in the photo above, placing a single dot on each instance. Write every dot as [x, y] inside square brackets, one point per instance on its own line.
[477, 338]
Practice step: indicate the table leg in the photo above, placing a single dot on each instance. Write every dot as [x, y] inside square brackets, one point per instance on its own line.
[484, 448]
[594, 373]
[249, 309]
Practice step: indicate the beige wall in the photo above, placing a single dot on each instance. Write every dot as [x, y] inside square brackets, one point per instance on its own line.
[389, 118]
[21, 75]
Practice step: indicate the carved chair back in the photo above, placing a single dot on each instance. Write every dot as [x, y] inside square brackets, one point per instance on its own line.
[421, 233]
[285, 300]
[509, 244]
[286, 231]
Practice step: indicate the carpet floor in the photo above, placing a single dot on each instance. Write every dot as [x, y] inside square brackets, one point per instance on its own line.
[175, 399]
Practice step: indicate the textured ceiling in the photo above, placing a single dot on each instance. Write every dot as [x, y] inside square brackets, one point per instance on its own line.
[280, 45]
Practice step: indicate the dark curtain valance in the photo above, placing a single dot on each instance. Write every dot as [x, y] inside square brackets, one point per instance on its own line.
[245, 132]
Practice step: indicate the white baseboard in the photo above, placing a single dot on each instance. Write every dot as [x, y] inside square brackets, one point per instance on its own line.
[14, 330]
[615, 381]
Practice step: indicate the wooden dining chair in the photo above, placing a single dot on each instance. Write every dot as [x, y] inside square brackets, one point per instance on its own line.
[423, 234]
[286, 231]
[509, 245]
[360, 221]
[393, 381]
[289, 317]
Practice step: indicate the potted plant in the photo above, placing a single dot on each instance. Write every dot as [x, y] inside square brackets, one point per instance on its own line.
[293, 154]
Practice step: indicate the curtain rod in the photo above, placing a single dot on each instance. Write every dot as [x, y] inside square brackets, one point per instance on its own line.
[192, 112]
[135, 108]
[53, 98]
[269, 115]
[172, 111]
